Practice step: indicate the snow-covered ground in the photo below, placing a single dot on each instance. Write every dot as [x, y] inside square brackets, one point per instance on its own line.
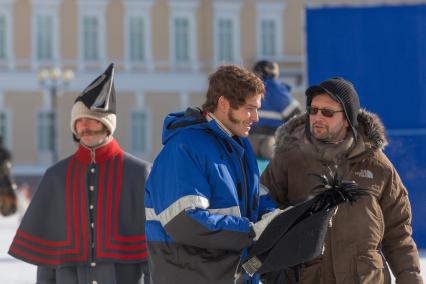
[13, 271]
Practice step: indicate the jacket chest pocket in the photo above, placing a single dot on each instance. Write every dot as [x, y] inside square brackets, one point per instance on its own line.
[366, 219]
[373, 207]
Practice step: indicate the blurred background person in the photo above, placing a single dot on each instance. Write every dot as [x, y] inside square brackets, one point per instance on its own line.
[278, 106]
[8, 200]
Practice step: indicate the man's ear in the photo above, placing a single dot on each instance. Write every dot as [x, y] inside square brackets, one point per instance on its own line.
[223, 104]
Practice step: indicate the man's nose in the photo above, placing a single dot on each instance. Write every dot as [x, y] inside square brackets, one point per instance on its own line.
[255, 116]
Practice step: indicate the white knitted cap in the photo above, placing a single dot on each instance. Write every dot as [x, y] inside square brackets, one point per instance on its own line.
[80, 110]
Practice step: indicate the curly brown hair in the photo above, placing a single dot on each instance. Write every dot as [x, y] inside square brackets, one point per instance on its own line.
[235, 83]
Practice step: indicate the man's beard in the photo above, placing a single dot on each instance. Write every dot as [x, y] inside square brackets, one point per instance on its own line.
[239, 127]
[232, 118]
[328, 135]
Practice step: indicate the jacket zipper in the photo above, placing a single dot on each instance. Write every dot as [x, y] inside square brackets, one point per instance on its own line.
[245, 187]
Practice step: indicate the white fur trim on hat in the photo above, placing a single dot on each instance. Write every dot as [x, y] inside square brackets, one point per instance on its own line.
[80, 110]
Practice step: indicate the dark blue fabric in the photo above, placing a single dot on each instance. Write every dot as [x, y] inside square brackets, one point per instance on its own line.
[276, 98]
[379, 49]
[200, 159]
[203, 160]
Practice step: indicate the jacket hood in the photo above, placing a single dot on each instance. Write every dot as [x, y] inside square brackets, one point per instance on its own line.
[369, 127]
[178, 121]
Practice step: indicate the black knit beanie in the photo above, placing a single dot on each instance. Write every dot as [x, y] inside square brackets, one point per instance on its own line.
[342, 91]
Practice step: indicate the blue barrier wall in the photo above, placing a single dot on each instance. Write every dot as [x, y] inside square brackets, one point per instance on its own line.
[382, 50]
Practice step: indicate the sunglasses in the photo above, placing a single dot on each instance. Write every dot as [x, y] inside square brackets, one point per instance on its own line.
[324, 111]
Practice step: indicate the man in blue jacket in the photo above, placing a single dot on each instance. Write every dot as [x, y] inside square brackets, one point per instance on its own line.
[278, 106]
[202, 198]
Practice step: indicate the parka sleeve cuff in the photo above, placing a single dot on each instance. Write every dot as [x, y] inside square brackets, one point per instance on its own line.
[409, 277]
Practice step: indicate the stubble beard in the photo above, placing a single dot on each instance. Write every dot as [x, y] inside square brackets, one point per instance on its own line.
[326, 135]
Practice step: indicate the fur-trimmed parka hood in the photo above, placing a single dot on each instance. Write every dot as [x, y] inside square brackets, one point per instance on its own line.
[369, 127]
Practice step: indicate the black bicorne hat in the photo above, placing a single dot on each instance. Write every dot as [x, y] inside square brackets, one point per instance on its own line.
[100, 94]
[292, 238]
[297, 235]
[97, 101]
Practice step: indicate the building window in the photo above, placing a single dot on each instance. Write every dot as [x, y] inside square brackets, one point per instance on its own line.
[137, 34]
[183, 34]
[227, 31]
[268, 41]
[92, 32]
[269, 30]
[44, 37]
[45, 120]
[181, 39]
[137, 39]
[139, 131]
[225, 38]
[44, 33]
[3, 37]
[90, 38]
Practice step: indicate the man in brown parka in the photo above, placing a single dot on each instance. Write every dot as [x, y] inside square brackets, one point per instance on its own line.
[336, 136]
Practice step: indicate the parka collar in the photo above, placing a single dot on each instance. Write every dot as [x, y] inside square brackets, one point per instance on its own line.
[210, 116]
[371, 134]
[218, 129]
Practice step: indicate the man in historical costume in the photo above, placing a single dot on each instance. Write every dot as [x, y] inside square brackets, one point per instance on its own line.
[85, 223]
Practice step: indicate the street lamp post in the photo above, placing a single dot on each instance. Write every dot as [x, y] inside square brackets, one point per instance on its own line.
[54, 80]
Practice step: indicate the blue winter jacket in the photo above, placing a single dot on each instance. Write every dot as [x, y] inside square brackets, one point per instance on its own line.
[277, 105]
[200, 198]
